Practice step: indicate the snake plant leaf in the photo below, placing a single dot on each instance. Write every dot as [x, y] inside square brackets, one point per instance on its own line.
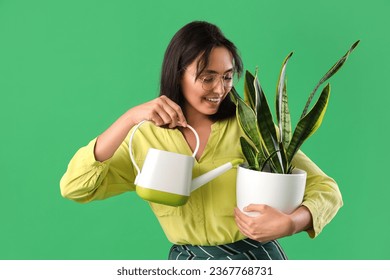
[261, 159]
[309, 123]
[246, 118]
[336, 67]
[266, 126]
[268, 162]
[285, 119]
[233, 94]
[249, 91]
[282, 111]
[250, 153]
[290, 169]
[283, 157]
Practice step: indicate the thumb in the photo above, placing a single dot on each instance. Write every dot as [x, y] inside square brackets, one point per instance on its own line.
[255, 208]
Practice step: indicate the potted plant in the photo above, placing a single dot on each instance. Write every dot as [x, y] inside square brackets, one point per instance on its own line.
[268, 176]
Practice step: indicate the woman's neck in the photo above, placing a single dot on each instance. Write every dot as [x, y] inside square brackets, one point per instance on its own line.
[199, 121]
[202, 125]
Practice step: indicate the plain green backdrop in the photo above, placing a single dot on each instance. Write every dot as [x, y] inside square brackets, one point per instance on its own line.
[68, 69]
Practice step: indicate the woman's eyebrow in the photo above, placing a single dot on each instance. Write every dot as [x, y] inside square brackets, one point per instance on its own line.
[210, 71]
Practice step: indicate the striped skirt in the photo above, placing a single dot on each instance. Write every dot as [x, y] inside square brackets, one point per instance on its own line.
[246, 249]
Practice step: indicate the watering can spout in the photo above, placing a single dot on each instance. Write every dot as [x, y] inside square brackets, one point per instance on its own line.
[207, 177]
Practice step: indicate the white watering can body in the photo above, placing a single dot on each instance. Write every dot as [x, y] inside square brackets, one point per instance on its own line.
[166, 177]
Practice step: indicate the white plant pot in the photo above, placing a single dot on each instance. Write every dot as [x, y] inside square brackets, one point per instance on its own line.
[281, 191]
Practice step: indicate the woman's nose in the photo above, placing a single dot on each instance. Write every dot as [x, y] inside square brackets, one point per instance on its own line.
[220, 87]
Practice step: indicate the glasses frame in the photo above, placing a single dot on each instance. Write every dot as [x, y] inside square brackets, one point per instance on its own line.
[218, 77]
[222, 77]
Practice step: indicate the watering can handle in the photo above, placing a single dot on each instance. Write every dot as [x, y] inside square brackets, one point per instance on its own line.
[135, 129]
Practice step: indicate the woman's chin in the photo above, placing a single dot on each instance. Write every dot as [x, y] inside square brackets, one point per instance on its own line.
[210, 111]
[211, 106]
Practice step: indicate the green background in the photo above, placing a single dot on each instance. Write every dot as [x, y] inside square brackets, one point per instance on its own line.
[68, 69]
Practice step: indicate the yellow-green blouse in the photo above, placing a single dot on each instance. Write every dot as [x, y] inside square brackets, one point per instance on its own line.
[208, 216]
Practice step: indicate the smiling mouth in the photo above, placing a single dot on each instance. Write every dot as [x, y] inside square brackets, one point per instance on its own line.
[213, 99]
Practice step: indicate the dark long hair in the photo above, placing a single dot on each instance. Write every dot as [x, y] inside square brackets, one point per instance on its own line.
[194, 39]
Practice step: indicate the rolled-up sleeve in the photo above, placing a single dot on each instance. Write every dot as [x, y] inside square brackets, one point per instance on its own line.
[322, 195]
[87, 179]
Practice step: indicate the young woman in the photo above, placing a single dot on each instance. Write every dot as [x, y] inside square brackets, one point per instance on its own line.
[199, 69]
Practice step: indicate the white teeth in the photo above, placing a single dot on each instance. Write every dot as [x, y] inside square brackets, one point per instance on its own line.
[215, 100]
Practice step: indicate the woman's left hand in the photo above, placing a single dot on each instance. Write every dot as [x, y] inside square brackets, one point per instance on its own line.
[269, 224]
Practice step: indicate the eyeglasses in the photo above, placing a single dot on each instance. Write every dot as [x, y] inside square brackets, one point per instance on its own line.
[210, 81]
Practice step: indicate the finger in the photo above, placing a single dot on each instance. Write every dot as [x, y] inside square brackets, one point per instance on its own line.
[166, 118]
[247, 223]
[156, 119]
[248, 229]
[243, 228]
[173, 116]
[240, 223]
[159, 115]
[261, 208]
[175, 111]
[239, 213]
[165, 112]
[242, 219]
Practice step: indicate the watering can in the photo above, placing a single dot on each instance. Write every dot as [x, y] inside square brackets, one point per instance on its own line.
[166, 177]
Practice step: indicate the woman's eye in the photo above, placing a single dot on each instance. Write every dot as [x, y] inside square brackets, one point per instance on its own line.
[208, 79]
[228, 77]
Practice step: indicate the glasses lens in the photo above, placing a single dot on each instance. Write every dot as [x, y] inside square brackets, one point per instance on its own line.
[211, 81]
[228, 80]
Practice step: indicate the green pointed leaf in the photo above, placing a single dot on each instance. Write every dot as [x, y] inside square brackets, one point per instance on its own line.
[249, 91]
[260, 158]
[282, 112]
[336, 67]
[250, 153]
[265, 159]
[266, 125]
[285, 119]
[283, 157]
[290, 169]
[268, 161]
[247, 119]
[309, 124]
[233, 94]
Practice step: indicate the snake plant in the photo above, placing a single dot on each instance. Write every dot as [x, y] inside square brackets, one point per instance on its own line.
[275, 144]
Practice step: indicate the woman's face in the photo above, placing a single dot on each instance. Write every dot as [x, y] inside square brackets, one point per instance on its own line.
[199, 100]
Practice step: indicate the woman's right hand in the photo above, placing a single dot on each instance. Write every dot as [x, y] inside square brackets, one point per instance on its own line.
[161, 111]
